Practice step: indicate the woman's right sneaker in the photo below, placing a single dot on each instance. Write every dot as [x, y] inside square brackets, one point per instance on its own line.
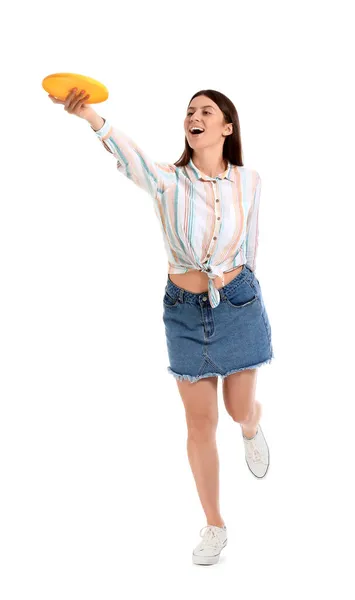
[208, 550]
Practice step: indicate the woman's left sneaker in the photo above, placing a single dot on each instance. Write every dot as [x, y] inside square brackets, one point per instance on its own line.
[257, 453]
[214, 539]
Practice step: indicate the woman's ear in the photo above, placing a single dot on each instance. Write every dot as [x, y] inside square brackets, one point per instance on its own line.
[229, 129]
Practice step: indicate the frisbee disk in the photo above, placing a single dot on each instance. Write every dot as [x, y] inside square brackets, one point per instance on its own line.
[60, 84]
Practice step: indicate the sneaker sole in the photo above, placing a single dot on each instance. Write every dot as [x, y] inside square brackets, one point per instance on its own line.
[207, 560]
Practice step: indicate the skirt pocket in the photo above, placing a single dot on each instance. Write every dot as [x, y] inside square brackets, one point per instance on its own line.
[170, 301]
[242, 295]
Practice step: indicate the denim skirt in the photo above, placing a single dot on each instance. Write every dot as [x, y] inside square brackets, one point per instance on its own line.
[204, 342]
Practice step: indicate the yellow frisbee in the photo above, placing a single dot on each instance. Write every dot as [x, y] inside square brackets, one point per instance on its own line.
[60, 84]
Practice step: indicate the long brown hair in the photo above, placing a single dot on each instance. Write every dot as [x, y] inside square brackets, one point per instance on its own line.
[232, 147]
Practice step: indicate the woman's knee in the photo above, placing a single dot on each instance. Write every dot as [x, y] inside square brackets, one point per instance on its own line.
[201, 427]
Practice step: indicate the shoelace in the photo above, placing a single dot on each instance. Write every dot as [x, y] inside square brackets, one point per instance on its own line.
[211, 537]
[253, 452]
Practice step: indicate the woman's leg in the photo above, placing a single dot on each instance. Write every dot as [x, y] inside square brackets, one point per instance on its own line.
[239, 399]
[201, 409]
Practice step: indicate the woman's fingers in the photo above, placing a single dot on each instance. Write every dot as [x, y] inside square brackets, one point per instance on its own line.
[74, 103]
[68, 99]
[73, 100]
[80, 98]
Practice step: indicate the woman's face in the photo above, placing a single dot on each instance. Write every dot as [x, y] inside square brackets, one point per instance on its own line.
[205, 114]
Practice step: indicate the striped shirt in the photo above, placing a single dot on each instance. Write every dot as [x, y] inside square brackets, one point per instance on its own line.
[208, 223]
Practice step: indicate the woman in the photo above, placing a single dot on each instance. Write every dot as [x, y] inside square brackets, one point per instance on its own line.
[215, 319]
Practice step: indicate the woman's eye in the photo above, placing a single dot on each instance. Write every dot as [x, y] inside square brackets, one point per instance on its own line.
[205, 111]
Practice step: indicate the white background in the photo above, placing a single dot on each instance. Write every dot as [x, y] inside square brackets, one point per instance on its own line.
[97, 496]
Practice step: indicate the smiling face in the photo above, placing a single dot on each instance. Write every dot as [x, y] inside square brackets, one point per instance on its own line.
[205, 114]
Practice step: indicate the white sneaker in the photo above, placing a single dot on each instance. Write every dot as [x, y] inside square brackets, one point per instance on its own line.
[257, 453]
[214, 540]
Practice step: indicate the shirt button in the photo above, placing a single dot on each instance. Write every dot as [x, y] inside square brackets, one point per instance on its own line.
[218, 218]
[204, 298]
[214, 238]
[208, 255]
[217, 200]
[209, 269]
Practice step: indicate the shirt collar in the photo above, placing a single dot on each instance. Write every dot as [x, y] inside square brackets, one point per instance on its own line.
[196, 174]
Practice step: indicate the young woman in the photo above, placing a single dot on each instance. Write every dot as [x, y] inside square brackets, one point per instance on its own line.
[215, 319]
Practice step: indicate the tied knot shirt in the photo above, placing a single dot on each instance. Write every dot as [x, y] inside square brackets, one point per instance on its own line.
[208, 223]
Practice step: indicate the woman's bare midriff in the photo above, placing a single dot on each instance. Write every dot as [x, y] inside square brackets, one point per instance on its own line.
[197, 281]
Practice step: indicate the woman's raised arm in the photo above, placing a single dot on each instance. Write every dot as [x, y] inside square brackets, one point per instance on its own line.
[133, 162]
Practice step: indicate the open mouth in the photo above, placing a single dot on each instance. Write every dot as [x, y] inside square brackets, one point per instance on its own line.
[196, 131]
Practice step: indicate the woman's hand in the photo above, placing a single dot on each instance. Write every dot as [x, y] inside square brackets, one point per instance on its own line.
[74, 104]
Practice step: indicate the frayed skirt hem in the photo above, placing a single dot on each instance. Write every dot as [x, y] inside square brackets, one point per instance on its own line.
[194, 379]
